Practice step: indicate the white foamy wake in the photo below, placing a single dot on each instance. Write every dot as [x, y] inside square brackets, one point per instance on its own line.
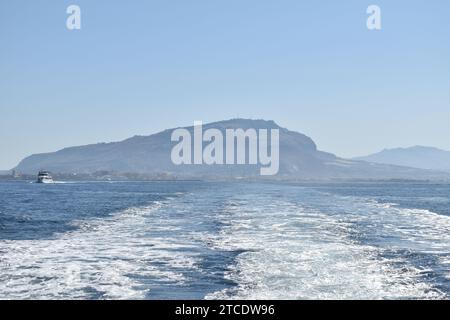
[306, 249]
[103, 259]
[297, 243]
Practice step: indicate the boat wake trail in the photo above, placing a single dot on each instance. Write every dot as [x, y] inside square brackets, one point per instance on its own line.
[217, 241]
[310, 245]
[101, 259]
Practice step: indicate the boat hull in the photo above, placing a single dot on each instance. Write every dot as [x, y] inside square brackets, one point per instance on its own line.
[45, 181]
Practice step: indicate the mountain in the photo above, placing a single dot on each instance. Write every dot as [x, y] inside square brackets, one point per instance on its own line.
[150, 155]
[416, 157]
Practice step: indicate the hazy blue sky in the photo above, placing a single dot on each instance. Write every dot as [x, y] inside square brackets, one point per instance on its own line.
[137, 67]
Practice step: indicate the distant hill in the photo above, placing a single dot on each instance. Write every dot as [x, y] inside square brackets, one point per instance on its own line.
[416, 157]
[150, 155]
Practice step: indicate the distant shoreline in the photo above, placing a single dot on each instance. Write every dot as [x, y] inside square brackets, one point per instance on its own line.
[31, 178]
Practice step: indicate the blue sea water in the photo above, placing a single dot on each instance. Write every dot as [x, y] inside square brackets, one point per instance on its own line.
[213, 240]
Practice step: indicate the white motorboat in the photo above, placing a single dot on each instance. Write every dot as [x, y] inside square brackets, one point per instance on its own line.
[44, 177]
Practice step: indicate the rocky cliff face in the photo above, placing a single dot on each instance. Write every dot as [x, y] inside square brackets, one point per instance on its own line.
[299, 158]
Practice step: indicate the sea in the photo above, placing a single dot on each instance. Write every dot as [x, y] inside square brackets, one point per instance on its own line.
[224, 240]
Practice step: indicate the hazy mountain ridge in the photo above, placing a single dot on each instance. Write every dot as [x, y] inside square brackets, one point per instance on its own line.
[417, 157]
[150, 155]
